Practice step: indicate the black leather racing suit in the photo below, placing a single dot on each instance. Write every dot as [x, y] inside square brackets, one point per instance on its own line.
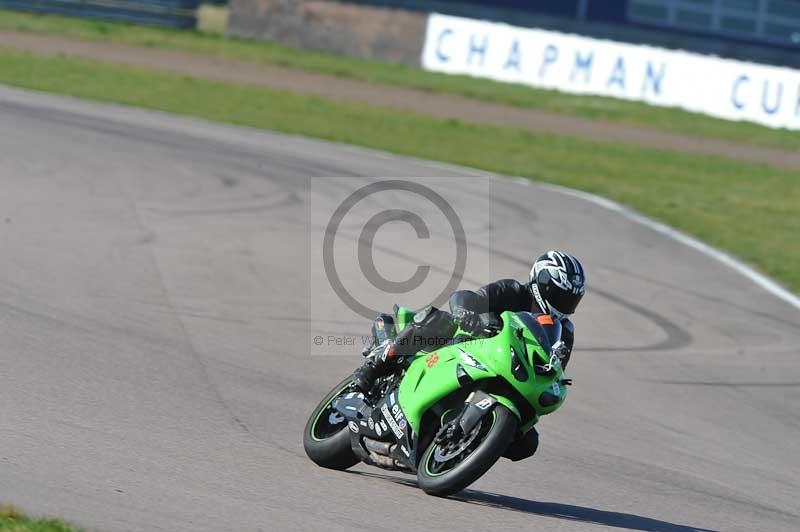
[511, 295]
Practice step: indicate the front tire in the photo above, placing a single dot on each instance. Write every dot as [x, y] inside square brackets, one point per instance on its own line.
[326, 438]
[440, 477]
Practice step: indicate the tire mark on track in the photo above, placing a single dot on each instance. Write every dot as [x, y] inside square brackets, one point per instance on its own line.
[677, 336]
[749, 311]
[748, 384]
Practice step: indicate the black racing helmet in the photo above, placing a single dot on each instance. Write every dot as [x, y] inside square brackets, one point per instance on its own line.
[558, 280]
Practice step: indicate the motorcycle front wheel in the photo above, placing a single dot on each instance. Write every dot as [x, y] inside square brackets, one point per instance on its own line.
[449, 466]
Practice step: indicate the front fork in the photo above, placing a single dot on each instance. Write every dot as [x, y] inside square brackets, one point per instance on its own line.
[478, 404]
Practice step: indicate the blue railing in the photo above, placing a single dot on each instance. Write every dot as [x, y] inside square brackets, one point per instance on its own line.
[175, 13]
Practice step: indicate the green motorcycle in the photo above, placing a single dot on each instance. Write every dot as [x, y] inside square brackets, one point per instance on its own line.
[451, 412]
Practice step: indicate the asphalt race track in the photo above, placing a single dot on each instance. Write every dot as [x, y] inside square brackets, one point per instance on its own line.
[156, 365]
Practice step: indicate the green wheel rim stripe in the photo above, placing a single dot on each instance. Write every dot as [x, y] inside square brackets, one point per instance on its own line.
[325, 407]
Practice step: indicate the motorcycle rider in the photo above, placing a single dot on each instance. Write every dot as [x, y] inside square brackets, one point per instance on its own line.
[556, 285]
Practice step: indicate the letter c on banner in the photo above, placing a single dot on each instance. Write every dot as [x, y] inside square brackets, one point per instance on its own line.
[439, 54]
[735, 92]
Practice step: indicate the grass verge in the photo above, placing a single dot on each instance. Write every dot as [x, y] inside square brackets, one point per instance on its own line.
[610, 109]
[12, 520]
[751, 210]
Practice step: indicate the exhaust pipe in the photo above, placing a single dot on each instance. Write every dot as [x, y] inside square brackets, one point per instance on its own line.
[379, 447]
[383, 461]
[380, 453]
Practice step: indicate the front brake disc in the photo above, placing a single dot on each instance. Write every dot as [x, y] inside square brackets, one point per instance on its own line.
[448, 452]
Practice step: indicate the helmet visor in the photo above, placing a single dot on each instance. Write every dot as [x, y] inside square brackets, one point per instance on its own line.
[565, 301]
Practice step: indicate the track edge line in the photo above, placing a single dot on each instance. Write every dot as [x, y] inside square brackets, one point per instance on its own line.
[758, 278]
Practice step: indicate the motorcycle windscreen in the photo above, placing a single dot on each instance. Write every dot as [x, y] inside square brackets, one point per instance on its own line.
[546, 334]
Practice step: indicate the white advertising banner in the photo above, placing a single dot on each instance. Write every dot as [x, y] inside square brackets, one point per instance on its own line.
[734, 90]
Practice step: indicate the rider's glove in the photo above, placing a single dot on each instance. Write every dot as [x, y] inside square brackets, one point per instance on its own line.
[469, 321]
[381, 352]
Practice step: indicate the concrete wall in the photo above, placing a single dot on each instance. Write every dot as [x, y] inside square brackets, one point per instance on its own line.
[363, 28]
[370, 32]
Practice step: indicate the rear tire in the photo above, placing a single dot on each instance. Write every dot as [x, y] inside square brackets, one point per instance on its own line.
[325, 443]
[491, 444]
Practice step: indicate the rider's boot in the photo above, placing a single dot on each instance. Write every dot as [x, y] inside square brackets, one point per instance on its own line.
[523, 447]
[375, 366]
[379, 361]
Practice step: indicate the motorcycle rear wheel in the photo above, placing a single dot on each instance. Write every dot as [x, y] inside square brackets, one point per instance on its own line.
[326, 437]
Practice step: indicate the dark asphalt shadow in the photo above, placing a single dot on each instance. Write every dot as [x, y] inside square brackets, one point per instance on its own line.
[569, 512]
